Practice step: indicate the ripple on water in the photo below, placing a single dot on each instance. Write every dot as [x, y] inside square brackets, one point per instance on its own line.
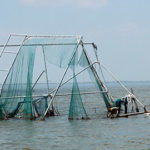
[99, 133]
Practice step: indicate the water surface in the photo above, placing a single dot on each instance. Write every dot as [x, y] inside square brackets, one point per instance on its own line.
[99, 133]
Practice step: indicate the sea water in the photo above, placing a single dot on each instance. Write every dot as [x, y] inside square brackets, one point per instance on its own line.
[99, 133]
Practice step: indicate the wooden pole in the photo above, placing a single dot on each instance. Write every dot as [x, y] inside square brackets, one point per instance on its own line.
[132, 114]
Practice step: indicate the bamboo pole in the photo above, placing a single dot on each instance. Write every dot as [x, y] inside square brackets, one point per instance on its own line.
[132, 114]
[47, 44]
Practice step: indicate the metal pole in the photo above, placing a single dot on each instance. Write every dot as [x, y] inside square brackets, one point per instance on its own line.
[26, 38]
[60, 82]
[37, 79]
[45, 69]
[96, 75]
[82, 93]
[100, 70]
[36, 96]
[4, 70]
[66, 36]
[10, 52]
[122, 85]
[134, 101]
[55, 92]
[60, 85]
[18, 35]
[95, 51]
[75, 76]
[47, 44]
[5, 45]
[89, 61]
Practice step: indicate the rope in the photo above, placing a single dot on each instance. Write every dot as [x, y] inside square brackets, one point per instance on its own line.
[123, 86]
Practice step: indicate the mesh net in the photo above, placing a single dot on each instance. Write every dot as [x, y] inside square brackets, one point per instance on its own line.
[83, 61]
[19, 83]
[16, 93]
[18, 98]
[76, 110]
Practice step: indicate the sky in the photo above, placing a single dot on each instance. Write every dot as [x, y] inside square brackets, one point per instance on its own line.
[120, 28]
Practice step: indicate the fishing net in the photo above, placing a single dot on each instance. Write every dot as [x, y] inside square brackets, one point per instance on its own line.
[76, 110]
[16, 93]
[21, 96]
[17, 88]
[84, 62]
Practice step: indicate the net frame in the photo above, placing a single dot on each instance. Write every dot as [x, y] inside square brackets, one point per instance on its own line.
[26, 37]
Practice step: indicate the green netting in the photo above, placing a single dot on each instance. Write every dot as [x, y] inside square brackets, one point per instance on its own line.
[2, 115]
[84, 62]
[16, 93]
[60, 55]
[19, 83]
[76, 109]
[58, 50]
[28, 99]
[40, 105]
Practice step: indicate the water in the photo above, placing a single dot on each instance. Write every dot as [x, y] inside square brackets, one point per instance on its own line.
[99, 133]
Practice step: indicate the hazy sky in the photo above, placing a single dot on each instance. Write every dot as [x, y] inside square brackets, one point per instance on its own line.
[120, 28]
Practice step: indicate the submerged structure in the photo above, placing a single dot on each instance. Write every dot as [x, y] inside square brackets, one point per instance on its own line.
[70, 70]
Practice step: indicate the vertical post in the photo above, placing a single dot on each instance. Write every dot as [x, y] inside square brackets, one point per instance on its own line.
[135, 103]
[45, 69]
[51, 100]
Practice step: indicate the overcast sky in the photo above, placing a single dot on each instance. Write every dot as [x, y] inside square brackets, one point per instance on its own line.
[120, 28]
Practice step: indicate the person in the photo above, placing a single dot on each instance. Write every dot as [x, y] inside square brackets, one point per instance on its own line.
[121, 101]
[118, 103]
